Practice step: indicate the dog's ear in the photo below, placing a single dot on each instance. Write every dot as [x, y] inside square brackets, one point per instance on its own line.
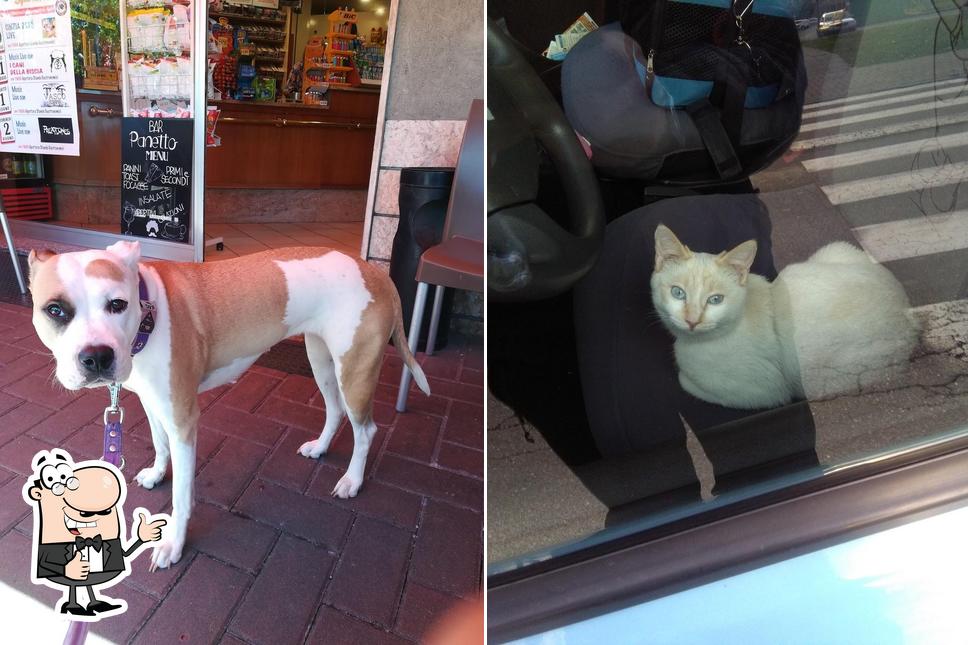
[127, 252]
[36, 258]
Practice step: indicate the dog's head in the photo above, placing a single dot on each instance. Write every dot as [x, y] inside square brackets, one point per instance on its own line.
[87, 312]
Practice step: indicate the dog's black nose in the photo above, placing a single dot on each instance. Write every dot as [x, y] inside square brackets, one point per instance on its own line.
[96, 359]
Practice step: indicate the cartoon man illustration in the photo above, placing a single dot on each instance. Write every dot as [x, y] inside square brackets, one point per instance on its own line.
[78, 526]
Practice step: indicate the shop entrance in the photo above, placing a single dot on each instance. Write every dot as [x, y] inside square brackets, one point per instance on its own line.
[296, 85]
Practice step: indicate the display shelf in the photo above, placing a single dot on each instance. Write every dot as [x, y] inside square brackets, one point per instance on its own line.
[250, 19]
[336, 71]
[265, 39]
[266, 44]
[157, 61]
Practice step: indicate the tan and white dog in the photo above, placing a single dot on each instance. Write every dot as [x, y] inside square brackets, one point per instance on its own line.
[211, 322]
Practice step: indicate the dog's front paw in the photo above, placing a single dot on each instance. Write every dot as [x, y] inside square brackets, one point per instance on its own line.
[347, 486]
[311, 449]
[150, 477]
[165, 554]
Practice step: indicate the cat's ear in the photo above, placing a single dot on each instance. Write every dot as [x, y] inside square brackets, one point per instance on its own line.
[668, 248]
[740, 259]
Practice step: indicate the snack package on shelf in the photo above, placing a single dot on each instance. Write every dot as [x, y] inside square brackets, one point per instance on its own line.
[211, 119]
[178, 30]
[224, 75]
[160, 109]
[146, 30]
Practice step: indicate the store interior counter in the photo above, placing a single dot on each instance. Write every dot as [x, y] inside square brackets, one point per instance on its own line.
[264, 145]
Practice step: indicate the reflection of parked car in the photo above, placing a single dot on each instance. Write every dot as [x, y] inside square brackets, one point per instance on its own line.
[834, 22]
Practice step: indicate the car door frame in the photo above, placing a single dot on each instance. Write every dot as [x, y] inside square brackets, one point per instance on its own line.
[845, 503]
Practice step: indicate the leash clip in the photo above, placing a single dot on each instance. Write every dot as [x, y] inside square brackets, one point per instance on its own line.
[114, 389]
[738, 17]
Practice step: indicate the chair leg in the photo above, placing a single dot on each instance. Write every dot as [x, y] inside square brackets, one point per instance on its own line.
[418, 306]
[434, 319]
[13, 253]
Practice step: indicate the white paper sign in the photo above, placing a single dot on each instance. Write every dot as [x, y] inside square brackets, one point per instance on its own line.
[38, 104]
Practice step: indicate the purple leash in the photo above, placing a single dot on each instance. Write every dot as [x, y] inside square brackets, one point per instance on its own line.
[77, 631]
[112, 429]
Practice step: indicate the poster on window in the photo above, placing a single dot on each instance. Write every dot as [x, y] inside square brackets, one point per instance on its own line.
[38, 105]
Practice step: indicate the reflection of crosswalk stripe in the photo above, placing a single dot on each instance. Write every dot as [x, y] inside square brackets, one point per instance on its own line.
[873, 133]
[927, 94]
[902, 182]
[877, 116]
[860, 98]
[921, 235]
[885, 152]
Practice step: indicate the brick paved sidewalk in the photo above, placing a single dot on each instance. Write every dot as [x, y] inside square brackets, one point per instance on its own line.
[271, 557]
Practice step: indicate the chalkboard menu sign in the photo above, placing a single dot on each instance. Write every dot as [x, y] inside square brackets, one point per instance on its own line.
[156, 178]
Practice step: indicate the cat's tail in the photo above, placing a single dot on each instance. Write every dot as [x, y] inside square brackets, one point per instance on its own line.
[840, 253]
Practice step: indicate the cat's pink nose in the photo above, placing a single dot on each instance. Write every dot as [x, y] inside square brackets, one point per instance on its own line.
[692, 325]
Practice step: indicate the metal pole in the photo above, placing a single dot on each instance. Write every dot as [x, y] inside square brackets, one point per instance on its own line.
[199, 107]
[12, 249]
[415, 323]
[434, 320]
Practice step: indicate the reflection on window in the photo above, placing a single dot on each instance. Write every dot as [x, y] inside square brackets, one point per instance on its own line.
[97, 43]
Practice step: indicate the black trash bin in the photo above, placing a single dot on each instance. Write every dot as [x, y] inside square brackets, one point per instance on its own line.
[424, 194]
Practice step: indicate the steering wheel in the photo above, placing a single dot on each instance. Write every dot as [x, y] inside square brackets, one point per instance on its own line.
[529, 255]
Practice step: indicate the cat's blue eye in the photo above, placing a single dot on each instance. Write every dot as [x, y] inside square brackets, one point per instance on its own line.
[678, 293]
[715, 300]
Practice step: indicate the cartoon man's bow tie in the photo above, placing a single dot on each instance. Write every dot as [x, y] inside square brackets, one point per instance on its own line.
[83, 543]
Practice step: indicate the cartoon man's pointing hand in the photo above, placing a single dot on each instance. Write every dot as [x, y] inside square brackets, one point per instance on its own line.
[78, 527]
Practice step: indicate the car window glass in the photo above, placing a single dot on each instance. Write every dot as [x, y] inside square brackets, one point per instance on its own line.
[687, 368]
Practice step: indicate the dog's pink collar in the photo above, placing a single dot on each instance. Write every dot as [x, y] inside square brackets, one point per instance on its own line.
[147, 317]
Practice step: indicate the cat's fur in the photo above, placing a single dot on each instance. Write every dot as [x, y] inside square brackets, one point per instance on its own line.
[826, 326]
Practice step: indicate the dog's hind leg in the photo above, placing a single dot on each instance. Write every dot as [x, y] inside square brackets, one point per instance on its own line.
[324, 370]
[151, 476]
[358, 372]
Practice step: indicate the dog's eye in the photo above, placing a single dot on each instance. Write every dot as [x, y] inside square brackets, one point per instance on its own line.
[116, 306]
[55, 311]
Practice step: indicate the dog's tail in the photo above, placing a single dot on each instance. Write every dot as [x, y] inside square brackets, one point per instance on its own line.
[400, 341]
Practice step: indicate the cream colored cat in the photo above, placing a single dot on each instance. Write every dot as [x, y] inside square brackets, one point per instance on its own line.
[826, 326]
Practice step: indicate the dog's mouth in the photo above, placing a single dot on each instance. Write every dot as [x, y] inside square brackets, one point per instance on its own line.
[97, 381]
[73, 526]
